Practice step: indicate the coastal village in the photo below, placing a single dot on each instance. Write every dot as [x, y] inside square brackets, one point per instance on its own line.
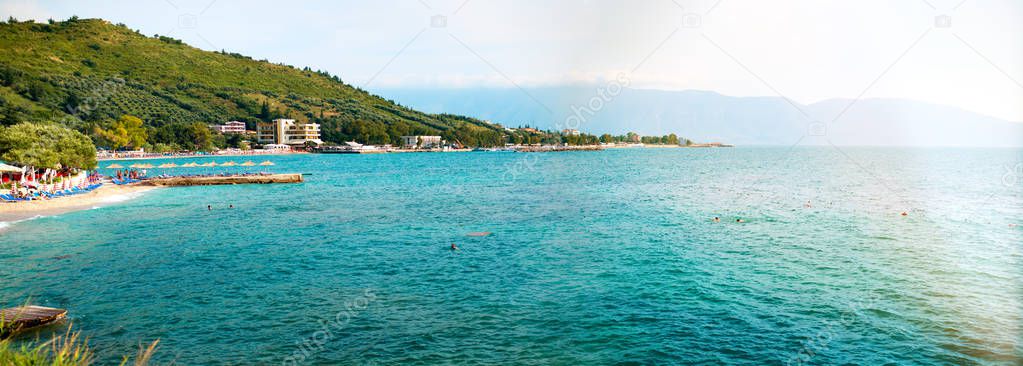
[25, 181]
[291, 136]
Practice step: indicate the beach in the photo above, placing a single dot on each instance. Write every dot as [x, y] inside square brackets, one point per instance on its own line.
[183, 156]
[105, 195]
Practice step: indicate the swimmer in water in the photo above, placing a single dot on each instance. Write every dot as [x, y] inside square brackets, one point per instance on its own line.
[904, 213]
[717, 219]
[740, 221]
[230, 206]
[454, 247]
[209, 207]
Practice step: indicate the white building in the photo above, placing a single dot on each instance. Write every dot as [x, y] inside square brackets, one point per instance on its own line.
[277, 147]
[288, 132]
[421, 141]
[230, 127]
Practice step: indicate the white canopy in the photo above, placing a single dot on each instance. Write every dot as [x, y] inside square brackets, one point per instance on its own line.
[9, 168]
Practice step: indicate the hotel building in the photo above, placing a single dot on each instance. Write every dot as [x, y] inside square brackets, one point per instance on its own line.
[414, 141]
[230, 127]
[287, 132]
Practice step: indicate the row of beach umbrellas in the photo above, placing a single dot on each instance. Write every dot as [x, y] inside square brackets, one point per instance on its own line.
[189, 165]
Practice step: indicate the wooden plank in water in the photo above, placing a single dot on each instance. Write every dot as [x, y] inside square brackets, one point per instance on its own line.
[24, 317]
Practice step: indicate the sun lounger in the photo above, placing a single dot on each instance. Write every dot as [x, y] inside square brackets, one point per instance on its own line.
[9, 198]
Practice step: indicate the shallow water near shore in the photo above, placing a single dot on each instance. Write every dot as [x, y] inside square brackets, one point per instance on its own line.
[594, 258]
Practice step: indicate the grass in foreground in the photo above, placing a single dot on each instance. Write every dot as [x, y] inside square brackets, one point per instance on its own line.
[63, 350]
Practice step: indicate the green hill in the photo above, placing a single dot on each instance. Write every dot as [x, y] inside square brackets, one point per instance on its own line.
[83, 72]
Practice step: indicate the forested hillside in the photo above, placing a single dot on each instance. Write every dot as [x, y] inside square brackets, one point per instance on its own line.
[88, 73]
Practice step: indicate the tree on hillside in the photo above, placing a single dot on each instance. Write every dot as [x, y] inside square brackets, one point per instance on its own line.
[46, 146]
[264, 112]
[201, 137]
[125, 132]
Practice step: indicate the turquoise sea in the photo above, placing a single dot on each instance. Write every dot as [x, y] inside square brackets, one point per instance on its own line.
[605, 257]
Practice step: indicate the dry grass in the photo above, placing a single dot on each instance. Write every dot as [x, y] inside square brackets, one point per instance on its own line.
[69, 349]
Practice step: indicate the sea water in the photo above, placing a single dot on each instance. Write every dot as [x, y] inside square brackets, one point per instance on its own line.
[593, 258]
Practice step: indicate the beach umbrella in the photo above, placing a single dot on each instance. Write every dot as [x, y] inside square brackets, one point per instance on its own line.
[136, 166]
[147, 166]
[9, 168]
[115, 166]
[230, 163]
[190, 165]
[208, 164]
[266, 163]
[168, 165]
[248, 163]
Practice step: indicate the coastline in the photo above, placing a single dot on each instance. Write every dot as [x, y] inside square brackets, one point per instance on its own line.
[196, 156]
[102, 196]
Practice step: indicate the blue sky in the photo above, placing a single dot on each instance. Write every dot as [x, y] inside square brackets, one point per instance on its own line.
[805, 50]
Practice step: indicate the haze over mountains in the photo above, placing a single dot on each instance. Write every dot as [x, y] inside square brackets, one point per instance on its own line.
[709, 116]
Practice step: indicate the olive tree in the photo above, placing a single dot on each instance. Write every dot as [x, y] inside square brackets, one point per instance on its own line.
[46, 146]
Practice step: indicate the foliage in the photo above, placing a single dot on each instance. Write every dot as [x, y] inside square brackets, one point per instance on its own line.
[69, 349]
[632, 137]
[125, 132]
[66, 350]
[86, 72]
[189, 136]
[46, 146]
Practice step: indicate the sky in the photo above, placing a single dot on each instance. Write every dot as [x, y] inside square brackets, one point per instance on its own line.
[963, 53]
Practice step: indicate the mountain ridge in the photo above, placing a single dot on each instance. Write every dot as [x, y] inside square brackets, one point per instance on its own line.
[704, 115]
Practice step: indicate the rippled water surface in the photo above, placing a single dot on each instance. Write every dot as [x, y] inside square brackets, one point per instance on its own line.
[594, 257]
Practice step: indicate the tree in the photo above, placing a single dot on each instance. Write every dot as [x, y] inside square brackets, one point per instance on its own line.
[606, 138]
[125, 132]
[201, 137]
[234, 140]
[264, 112]
[46, 146]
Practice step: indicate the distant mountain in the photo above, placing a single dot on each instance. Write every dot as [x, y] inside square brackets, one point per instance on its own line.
[82, 71]
[709, 116]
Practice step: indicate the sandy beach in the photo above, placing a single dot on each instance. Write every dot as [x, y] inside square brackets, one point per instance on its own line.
[102, 196]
